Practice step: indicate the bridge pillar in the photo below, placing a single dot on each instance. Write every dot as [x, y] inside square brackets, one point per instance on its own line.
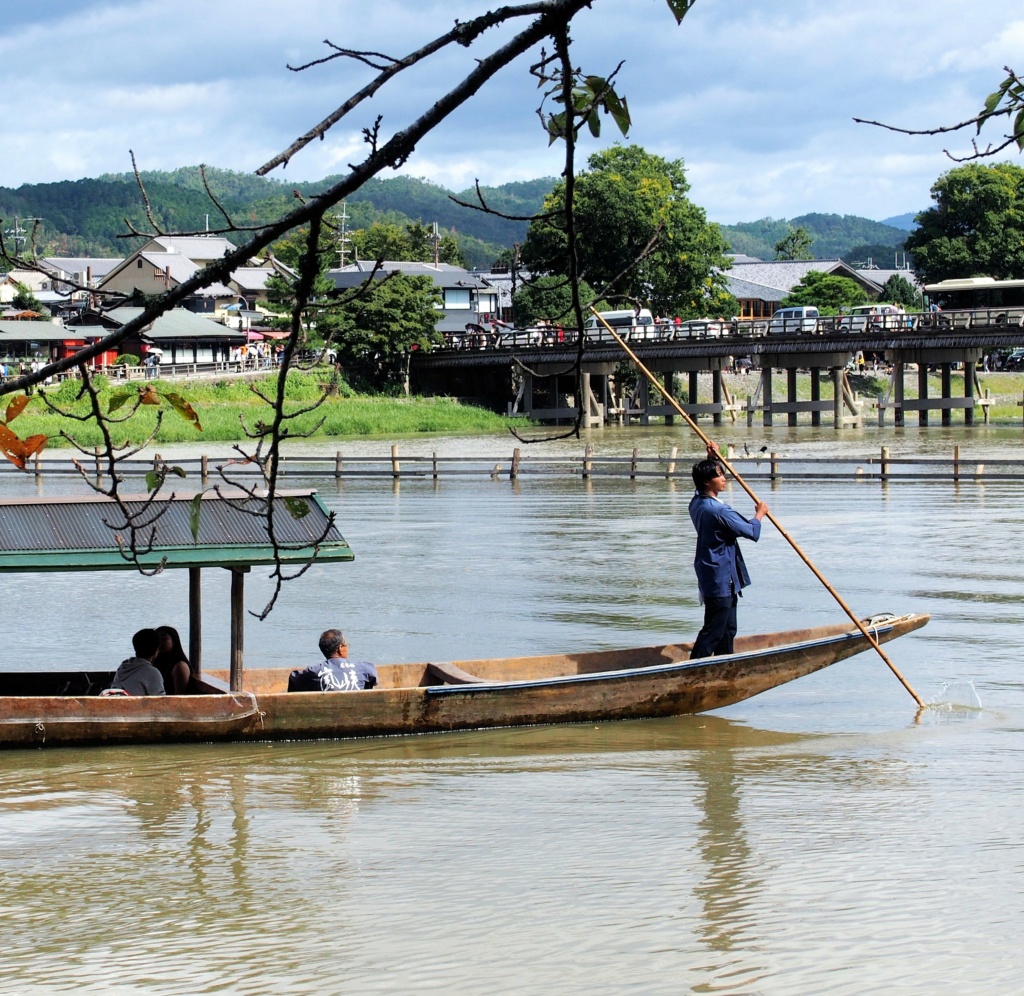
[947, 391]
[922, 391]
[766, 382]
[716, 395]
[670, 387]
[691, 391]
[815, 394]
[970, 359]
[791, 393]
[897, 374]
[645, 400]
[837, 397]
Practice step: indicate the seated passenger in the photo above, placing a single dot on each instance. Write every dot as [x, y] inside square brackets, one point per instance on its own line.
[137, 675]
[171, 662]
[336, 673]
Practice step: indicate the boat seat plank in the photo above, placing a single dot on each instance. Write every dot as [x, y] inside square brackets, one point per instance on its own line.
[452, 674]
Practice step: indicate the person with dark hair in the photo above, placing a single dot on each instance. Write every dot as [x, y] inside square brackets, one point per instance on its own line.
[136, 675]
[171, 661]
[335, 673]
[718, 561]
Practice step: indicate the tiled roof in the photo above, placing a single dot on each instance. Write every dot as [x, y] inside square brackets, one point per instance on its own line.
[71, 265]
[443, 275]
[208, 247]
[175, 324]
[253, 277]
[785, 274]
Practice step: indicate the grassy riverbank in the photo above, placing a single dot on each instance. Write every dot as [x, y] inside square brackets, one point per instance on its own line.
[224, 406]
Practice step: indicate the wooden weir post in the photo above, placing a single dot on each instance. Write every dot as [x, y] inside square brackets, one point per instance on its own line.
[774, 472]
[338, 465]
[883, 473]
[433, 463]
[671, 468]
[513, 471]
[633, 463]
[396, 468]
[205, 469]
[956, 463]
[588, 457]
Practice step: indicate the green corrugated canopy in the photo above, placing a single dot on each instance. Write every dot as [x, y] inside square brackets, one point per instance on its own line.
[90, 533]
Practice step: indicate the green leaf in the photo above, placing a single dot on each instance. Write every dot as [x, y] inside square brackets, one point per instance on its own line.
[118, 398]
[183, 408]
[680, 8]
[594, 121]
[992, 99]
[178, 471]
[153, 480]
[193, 515]
[298, 508]
[619, 111]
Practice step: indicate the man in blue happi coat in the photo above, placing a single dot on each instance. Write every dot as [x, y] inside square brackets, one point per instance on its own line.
[718, 562]
[335, 673]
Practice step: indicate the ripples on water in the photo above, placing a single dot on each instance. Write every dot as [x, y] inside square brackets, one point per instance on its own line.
[814, 839]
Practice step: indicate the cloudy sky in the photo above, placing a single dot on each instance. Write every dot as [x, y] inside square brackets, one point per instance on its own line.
[756, 96]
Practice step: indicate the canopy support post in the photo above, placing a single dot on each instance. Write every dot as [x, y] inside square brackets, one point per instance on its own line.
[237, 625]
[195, 620]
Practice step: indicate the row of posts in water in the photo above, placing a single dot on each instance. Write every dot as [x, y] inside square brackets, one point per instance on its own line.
[760, 465]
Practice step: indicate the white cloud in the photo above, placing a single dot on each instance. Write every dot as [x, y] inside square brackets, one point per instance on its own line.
[757, 96]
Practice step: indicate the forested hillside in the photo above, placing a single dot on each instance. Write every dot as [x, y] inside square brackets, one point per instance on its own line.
[846, 236]
[86, 217]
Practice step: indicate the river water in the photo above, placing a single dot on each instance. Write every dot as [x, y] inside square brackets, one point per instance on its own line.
[819, 838]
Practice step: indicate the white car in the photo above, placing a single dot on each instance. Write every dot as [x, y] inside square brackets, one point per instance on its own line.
[873, 317]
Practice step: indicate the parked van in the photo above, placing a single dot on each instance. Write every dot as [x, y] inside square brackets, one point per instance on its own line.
[628, 323]
[791, 321]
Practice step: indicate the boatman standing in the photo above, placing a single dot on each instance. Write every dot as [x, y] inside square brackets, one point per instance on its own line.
[718, 562]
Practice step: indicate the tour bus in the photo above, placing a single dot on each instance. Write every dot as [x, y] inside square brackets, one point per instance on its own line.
[977, 293]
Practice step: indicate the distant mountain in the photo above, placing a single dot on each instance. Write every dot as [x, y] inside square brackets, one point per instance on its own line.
[86, 217]
[904, 221]
[845, 236]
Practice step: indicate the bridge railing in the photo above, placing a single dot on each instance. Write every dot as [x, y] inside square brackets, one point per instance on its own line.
[549, 337]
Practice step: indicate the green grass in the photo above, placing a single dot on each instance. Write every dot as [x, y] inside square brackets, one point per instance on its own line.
[223, 407]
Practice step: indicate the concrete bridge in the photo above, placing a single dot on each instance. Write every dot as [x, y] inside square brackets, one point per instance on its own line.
[532, 372]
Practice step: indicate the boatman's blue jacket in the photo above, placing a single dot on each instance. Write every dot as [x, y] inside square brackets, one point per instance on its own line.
[718, 561]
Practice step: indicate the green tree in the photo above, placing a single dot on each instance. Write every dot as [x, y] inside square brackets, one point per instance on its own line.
[976, 227]
[382, 240]
[25, 300]
[795, 245]
[827, 291]
[375, 334]
[626, 201]
[549, 298]
[901, 291]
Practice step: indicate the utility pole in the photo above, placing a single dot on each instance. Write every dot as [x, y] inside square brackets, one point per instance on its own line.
[343, 239]
[17, 234]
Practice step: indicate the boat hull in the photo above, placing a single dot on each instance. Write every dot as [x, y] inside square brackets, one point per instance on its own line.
[590, 687]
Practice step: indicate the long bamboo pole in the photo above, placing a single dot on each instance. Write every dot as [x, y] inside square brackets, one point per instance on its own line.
[771, 518]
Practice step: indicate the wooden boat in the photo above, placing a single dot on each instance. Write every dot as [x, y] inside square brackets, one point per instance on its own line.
[66, 708]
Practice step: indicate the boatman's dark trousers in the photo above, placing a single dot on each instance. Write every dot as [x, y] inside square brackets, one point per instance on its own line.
[719, 627]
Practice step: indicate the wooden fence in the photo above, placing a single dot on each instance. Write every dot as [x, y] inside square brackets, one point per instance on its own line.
[524, 463]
